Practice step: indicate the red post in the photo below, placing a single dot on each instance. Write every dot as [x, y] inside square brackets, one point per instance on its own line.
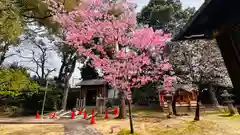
[85, 115]
[106, 114]
[93, 117]
[73, 115]
[161, 99]
[37, 116]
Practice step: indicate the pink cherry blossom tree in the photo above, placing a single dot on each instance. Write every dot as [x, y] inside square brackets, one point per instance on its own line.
[106, 33]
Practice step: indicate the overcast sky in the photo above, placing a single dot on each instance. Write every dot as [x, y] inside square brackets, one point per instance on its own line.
[55, 62]
[186, 3]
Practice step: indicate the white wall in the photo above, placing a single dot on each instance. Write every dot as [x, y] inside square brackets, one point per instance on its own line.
[111, 93]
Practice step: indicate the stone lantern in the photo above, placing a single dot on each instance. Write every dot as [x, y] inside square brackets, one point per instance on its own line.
[169, 97]
[227, 100]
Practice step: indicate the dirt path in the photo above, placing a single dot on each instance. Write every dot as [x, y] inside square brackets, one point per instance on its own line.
[229, 124]
[71, 127]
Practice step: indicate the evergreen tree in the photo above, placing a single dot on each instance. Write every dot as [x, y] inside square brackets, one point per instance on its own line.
[88, 72]
[15, 80]
[165, 14]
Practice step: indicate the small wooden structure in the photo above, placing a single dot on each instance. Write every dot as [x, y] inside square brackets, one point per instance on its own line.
[185, 98]
[92, 93]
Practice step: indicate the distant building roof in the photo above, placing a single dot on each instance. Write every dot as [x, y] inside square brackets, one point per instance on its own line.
[91, 82]
[223, 82]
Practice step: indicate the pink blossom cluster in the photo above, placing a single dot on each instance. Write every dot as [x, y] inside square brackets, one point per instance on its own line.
[168, 81]
[129, 56]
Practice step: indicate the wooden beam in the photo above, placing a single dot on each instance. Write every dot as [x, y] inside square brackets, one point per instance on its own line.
[231, 55]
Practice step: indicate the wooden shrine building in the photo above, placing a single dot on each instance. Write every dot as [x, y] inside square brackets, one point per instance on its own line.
[185, 97]
[92, 93]
[220, 20]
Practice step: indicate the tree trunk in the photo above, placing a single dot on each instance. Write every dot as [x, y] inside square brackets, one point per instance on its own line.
[3, 54]
[197, 113]
[65, 95]
[67, 76]
[130, 116]
[122, 113]
[174, 105]
[174, 108]
[213, 96]
[1, 60]
[170, 109]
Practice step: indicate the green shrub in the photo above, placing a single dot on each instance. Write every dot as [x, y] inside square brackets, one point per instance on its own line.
[127, 132]
[10, 110]
[109, 104]
[112, 102]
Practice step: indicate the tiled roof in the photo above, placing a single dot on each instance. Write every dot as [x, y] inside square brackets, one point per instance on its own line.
[91, 82]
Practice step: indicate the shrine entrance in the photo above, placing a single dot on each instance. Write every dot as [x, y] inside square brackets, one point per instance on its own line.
[91, 97]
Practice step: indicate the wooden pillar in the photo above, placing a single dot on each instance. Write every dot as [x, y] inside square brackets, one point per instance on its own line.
[231, 56]
[84, 96]
[105, 91]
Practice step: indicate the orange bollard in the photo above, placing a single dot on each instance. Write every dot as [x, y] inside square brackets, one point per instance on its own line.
[106, 114]
[37, 116]
[85, 115]
[80, 112]
[93, 117]
[73, 115]
[115, 111]
[53, 115]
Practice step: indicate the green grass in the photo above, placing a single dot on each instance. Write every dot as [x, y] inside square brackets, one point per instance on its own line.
[127, 132]
[235, 117]
[189, 128]
[145, 111]
[148, 112]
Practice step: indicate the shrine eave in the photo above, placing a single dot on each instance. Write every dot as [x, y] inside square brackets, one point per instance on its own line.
[208, 18]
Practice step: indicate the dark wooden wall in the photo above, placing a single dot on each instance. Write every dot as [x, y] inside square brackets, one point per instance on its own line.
[230, 50]
[101, 90]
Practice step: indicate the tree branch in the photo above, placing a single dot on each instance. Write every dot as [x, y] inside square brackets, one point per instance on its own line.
[49, 71]
[35, 71]
[35, 17]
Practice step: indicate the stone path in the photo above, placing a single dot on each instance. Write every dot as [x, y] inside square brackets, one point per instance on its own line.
[80, 128]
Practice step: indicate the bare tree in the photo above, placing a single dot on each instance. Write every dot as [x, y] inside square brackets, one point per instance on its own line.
[199, 62]
[37, 54]
[4, 51]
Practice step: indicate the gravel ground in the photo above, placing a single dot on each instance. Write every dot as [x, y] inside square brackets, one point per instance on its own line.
[80, 128]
